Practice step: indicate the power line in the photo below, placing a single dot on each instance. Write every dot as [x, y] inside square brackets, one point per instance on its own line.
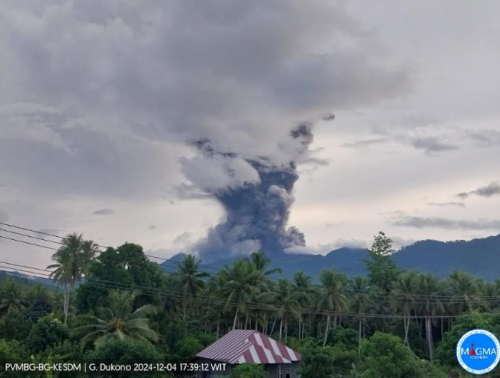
[165, 260]
[411, 298]
[256, 306]
[210, 301]
[25, 242]
[29, 236]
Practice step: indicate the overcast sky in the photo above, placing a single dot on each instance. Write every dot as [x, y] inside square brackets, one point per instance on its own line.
[99, 101]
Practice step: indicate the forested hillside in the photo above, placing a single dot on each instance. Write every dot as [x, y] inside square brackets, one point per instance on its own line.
[391, 323]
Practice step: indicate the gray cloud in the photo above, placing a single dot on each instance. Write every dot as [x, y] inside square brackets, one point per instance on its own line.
[366, 142]
[104, 212]
[487, 191]
[443, 204]
[329, 117]
[105, 86]
[430, 138]
[449, 224]
[484, 137]
[431, 145]
[4, 217]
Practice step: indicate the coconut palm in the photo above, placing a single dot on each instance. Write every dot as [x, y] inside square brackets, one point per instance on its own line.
[404, 292]
[239, 285]
[72, 262]
[118, 320]
[302, 283]
[491, 293]
[191, 281]
[285, 303]
[89, 250]
[464, 292]
[11, 296]
[360, 301]
[332, 298]
[430, 305]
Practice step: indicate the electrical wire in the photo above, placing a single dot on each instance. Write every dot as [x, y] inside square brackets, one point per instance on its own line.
[412, 298]
[210, 301]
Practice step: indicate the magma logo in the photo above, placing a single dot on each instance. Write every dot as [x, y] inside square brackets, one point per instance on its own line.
[478, 351]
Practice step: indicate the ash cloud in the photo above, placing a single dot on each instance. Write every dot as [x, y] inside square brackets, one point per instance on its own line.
[257, 198]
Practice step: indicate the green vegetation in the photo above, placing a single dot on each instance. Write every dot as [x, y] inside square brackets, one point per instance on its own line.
[391, 323]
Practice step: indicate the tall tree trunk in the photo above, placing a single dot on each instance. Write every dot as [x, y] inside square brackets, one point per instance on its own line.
[360, 329]
[272, 328]
[326, 329]
[286, 330]
[235, 318]
[442, 328]
[246, 321]
[218, 321]
[66, 303]
[281, 328]
[428, 328]
[184, 309]
[407, 328]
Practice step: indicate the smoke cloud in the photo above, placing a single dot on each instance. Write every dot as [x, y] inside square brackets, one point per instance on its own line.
[256, 195]
[104, 96]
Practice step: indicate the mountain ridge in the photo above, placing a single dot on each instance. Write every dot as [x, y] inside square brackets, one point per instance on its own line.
[479, 257]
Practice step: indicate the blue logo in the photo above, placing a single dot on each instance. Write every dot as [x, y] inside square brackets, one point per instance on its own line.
[478, 351]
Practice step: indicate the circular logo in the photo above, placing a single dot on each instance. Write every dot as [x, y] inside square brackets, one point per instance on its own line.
[478, 351]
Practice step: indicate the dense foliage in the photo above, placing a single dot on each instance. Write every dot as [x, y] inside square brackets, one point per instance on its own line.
[391, 323]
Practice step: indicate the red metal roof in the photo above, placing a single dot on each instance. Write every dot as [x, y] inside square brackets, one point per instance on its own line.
[247, 346]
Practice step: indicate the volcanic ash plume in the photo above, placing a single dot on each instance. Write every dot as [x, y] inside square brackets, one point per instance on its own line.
[256, 194]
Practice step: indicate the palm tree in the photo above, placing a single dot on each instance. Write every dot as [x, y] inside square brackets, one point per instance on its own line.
[430, 305]
[464, 292]
[88, 253]
[261, 262]
[361, 301]
[11, 296]
[239, 284]
[191, 281]
[404, 292]
[302, 283]
[38, 291]
[72, 262]
[118, 320]
[332, 296]
[491, 293]
[212, 309]
[284, 302]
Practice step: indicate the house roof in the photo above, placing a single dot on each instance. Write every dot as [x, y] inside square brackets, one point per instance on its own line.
[248, 346]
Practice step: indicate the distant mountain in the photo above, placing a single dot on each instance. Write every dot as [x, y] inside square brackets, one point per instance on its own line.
[26, 279]
[479, 257]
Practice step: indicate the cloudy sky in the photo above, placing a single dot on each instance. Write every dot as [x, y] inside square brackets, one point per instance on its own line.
[100, 102]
